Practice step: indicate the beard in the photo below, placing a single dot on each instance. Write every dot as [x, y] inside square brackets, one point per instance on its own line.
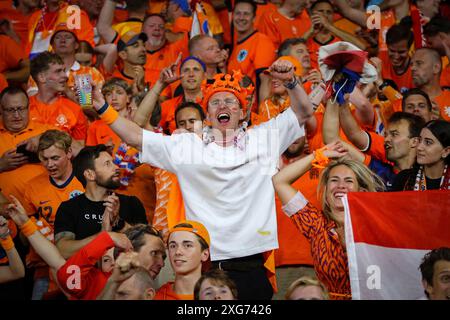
[155, 42]
[109, 183]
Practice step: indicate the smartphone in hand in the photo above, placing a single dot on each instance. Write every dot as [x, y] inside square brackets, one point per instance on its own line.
[84, 89]
[32, 156]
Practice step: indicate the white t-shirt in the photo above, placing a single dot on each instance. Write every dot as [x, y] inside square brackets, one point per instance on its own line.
[228, 189]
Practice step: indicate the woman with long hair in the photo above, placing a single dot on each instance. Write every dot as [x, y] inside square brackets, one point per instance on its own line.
[324, 229]
[432, 170]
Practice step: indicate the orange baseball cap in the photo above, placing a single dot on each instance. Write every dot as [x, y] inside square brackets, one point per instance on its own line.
[298, 67]
[197, 228]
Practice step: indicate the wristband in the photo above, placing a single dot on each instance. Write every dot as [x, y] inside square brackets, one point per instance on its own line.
[4, 235]
[103, 108]
[110, 115]
[291, 85]
[7, 243]
[28, 228]
[320, 160]
[383, 85]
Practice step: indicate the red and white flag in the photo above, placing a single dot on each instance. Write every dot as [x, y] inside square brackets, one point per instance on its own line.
[387, 234]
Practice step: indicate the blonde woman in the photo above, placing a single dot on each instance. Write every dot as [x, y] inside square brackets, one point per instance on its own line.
[325, 229]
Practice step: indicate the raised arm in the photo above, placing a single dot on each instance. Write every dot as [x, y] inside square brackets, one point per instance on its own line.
[300, 102]
[86, 260]
[364, 112]
[167, 76]
[127, 130]
[330, 131]
[44, 248]
[319, 19]
[109, 51]
[357, 16]
[352, 130]
[125, 266]
[284, 179]
[104, 24]
[15, 269]
[21, 73]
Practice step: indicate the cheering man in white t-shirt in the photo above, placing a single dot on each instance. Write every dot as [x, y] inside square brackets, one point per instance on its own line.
[225, 171]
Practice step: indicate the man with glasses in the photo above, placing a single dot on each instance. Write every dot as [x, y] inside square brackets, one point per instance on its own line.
[17, 128]
[225, 172]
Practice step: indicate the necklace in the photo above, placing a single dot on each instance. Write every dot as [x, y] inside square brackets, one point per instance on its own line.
[421, 185]
[238, 142]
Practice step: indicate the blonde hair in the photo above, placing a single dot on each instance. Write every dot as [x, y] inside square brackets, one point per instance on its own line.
[367, 181]
[60, 139]
[305, 281]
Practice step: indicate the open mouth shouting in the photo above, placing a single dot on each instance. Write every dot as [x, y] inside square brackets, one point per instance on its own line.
[223, 118]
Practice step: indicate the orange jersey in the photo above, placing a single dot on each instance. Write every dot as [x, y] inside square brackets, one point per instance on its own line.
[43, 196]
[14, 181]
[10, 53]
[346, 25]
[156, 6]
[403, 81]
[41, 27]
[162, 58]
[443, 101]
[445, 75]
[19, 23]
[223, 17]
[279, 28]
[42, 199]
[168, 109]
[3, 82]
[63, 113]
[252, 55]
[166, 293]
[376, 146]
[314, 46]
[270, 108]
[261, 9]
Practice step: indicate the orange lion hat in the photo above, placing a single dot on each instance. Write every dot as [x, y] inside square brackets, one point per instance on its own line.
[228, 83]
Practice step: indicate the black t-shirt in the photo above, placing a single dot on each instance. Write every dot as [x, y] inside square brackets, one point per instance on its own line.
[406, 180]
[84, 217]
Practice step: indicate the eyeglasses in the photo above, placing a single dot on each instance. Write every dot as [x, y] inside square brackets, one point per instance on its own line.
[226, 102]
[14, 110]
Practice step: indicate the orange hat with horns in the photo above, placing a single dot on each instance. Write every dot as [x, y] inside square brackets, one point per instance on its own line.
[228, 83]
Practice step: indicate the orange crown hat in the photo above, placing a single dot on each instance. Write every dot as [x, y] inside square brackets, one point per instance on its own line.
[226, 83]
[197, 228]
